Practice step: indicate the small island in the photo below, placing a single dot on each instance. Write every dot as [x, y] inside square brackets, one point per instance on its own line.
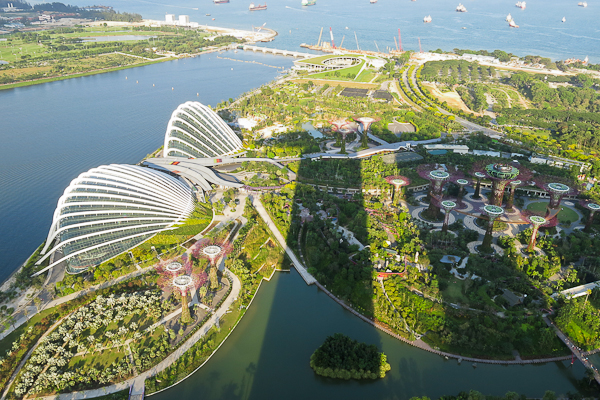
[344, 358]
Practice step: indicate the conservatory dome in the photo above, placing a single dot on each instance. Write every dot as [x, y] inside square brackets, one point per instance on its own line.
[196, 131]
[111, 209]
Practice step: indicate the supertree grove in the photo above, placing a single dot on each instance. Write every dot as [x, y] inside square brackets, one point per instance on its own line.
[213, 250]
[536, 221]
[181, 277]
[398, 182]
[366, 123]
[461, 192]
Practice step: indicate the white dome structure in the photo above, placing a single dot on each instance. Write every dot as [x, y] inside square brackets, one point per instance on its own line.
[196, 131]
[111, 209]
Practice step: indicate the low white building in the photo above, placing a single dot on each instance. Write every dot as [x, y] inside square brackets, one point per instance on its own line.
[560, 162]
[455, 148]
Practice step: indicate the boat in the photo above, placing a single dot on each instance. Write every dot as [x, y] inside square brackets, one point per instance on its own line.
[582, 4]
[257, 7]
[586, 60]
[372, 1]
[461, 8]
[213, 19]
[564, 19]
[521, 5]
[308, 2]
[220, 1]
[508, 18]
[208, 15]
[427, 19]
[512, 24]
[464, 27]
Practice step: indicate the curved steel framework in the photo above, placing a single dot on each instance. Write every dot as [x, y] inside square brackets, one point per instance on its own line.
[196, 131]
[110, 209]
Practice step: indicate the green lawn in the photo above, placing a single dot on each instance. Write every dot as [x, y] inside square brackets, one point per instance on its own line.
[565, 214]
[366, 76]
[98, 360]
[343, 73]
[453, 293]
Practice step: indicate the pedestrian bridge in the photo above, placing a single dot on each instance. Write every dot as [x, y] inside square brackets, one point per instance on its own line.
[295, 54]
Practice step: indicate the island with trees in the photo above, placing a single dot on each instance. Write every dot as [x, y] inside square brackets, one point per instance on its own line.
[344, 358]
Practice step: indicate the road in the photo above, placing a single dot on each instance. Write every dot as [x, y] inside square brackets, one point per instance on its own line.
[308, 278]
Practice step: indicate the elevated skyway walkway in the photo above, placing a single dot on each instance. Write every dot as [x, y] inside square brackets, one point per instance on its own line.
[295, 54]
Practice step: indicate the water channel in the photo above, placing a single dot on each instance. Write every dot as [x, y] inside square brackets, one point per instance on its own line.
[267, 357]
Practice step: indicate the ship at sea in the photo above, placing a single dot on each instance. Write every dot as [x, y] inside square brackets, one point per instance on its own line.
[427, 19]
[461, 8]
[582, 4]
[564, 19]
[372, 1]
[254, 7]
[508, 18]
[521, 5]
[308, 2]
[512, 24]
[220, 1]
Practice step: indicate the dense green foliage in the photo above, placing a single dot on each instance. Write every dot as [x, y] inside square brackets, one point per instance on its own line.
[342, 357]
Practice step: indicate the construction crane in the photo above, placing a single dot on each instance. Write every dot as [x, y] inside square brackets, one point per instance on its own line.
[399, 40]
[320, 34]
[342, 44]
[332, 42]
[377, 47]
[357, 47]
[420, 49]
[396, 42]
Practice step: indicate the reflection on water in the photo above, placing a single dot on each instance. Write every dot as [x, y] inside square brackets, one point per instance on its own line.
[267, 357]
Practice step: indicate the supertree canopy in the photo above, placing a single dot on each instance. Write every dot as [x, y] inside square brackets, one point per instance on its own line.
[501, 174]
[536, 221]
[478, 176]
[511, 196]
[398, 181]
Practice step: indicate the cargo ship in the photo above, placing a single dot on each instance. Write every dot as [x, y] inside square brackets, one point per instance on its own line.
[372, 1]
[220, 1]
[582, 4]
[508, 18]
[461, 8]
[257, 7]
[564, 19]
[521, 5]
[512, 24]
[427, 19]
[308, 2]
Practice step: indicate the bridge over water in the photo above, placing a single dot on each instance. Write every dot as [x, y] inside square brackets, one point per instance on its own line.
[295, 54]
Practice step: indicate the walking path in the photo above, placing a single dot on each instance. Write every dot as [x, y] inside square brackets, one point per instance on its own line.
[308, 278]
[582, 356]
[136, 381]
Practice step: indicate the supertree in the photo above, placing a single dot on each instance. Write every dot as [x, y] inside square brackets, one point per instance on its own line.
[448, 205]
[557, 190]
[340, 126]
[478, 177]
[592, 207]
[493, 212]
[399, 182]
[181, 277]
[366, 123]
[536, 221]
[461, 183]
[213, 250]
[511, 194]
[501, 174]
[437, 178]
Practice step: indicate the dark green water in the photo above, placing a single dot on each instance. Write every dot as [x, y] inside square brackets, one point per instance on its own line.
[267, 356]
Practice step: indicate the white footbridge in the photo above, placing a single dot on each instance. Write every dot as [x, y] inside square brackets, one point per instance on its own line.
[295, 54]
